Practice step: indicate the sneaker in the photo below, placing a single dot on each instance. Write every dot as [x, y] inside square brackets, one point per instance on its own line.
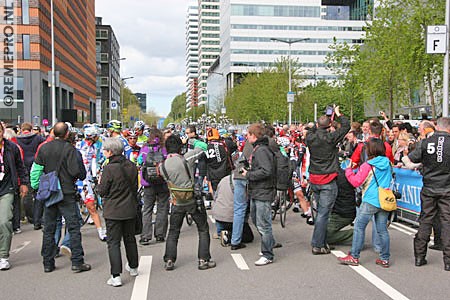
[238, 246]
[309, 220]
[101, 234]
[144, 242]
[133, 271]
[114, 281]
[224, 238]
[17, 231]
[4, 264]
[320, 250]
[81, 268]
[90, 221]
[64, 250]
[437, 247]
[383, 263]
[349, 260]
[262, 261]
[277, 245]
[206, 264]
[169, 265]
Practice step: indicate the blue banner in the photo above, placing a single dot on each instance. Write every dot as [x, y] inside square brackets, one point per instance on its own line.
[409, 184]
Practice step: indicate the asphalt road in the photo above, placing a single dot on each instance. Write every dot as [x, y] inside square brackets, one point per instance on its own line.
[295, 273]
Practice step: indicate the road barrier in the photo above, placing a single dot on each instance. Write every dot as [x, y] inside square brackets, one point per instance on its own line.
[409, 184]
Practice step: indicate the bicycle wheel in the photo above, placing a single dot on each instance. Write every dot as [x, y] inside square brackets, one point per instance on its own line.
[290, 198]
[283, 208]
[189, 219]
[314, 207]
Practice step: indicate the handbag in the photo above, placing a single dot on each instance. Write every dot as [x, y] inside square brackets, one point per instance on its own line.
[179, 195]
[50, 191]
[387, 199]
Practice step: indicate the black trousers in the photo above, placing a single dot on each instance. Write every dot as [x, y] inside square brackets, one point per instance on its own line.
[432, 204]
[176, 221]
[116, 230]
[16, 212]
[67, 208]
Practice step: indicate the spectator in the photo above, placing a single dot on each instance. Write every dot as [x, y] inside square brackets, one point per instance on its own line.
[434, 154]
[47, 159]
[323, 169]
[261, 189]
[12, 170]
[377, 166]
[118, 187]
[402, 149]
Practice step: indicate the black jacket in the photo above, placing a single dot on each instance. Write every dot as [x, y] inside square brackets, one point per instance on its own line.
[322, 147]
[15, 163]
[434, 154]
[49, 156]
[29, 144]
[345, 205]
[261, 181]
[118, 186]
[218, 160]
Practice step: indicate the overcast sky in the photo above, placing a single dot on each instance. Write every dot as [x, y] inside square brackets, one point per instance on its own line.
[151, 34]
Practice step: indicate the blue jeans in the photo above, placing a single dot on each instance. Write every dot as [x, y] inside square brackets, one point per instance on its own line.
[260, 212]
[376, 244]
[325, 195]
[240, 206]
[58, 234]
[365, 213]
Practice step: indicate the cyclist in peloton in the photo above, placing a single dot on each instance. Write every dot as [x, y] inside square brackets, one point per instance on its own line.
[139, 130]
[90, 149]
[114, 128]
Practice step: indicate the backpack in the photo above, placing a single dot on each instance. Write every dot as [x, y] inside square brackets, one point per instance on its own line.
[284, 171]
[151, 172]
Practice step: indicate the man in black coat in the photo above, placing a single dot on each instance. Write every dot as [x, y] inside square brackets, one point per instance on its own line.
[261, 189]
[50, 155]
[323, 169]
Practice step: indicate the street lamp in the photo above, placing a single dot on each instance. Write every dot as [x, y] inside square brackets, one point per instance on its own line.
[53, 65]
[110, 82]
[121, 95]
[289, 42]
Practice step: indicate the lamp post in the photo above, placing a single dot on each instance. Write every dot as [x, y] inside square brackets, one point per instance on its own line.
[110, 62]
[290, 97]
[53, 65]
[121, 96]
[446, 62]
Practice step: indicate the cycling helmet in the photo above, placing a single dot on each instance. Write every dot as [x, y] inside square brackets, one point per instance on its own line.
[90, 132]
[139, 125]
[283, 141]
[132, 133]
[223, 132]
[114, 125]
[231, 130]
[171, 126]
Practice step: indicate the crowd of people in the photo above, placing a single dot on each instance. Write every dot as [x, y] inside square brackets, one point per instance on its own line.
[181, 172]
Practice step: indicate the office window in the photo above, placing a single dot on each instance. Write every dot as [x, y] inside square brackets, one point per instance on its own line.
[25, 12]
[26, 46]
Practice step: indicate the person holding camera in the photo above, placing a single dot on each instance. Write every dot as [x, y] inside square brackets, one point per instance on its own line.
[261, 189]
[323, 169]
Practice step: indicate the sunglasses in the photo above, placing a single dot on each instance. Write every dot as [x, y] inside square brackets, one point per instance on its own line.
[132, 138]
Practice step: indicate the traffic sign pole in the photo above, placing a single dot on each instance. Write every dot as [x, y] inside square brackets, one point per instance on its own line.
[446, 62]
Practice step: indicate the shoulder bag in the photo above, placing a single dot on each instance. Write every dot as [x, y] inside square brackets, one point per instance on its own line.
[387, 199]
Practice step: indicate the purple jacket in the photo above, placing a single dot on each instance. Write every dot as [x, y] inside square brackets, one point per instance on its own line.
[143, 156]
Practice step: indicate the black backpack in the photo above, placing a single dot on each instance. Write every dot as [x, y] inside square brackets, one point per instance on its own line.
[151, 172]
[284, 171]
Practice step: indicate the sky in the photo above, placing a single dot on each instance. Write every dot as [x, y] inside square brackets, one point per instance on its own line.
[151, 35]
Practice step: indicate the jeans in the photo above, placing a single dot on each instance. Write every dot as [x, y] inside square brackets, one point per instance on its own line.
[433, 204]
[176, 221]
[260, 212]
[335, 234]
[69, 209]
[6, 215]
[38, 210]
[239, 207]
[160, 195]
[325, 194]
[363, 217]
[58, 233]
[220, 226]
[116, 230]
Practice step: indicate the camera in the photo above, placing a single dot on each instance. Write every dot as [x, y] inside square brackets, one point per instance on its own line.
[245, 164]
[397, 194]
[329, 110]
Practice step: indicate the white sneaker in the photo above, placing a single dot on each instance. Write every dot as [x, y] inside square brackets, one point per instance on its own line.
[4, 264]
[114, 281]
[101, 234]
[260, 254]
[90, 221]
[133, 271]
[262, 261]
[65, 251]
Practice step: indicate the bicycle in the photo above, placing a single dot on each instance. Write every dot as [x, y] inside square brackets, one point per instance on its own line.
[283, 202]
[84, 212]
[309, 196]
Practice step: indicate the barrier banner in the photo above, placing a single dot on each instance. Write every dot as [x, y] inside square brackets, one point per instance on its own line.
[409, 183]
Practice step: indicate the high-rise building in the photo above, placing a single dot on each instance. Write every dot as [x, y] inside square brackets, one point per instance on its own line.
[108, 72]
[192, 56]
[257, 33]
[142, 100]
[209, 43]
[29, 29]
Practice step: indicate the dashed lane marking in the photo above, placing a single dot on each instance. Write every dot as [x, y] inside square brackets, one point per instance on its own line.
[140, 288]
[375, 280]
[20, 247]
[396, 227]
[240, 261]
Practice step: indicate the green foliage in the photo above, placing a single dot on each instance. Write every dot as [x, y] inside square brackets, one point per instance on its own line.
[178, 108]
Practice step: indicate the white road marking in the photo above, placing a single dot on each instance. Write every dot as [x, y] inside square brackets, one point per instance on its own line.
[408, 232]
[375, 280]
[212, 219]
[140, 288]
[21, 247]
[239, 261]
